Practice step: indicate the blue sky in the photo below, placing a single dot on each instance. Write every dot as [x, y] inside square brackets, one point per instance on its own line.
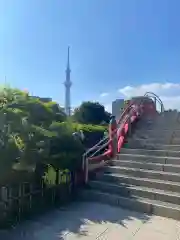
[118, 47]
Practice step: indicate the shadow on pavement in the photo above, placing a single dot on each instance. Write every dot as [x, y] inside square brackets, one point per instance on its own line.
[77, 218]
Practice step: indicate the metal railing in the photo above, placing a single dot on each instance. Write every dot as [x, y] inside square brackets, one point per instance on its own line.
[154, 96]
[106, 141]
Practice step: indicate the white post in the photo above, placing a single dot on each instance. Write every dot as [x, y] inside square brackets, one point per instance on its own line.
[86, 170]
[155, 102]
[129, 126]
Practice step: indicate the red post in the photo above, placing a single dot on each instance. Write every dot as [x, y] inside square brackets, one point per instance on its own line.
[113, 136]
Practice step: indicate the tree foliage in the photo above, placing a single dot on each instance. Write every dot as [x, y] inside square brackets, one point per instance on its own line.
[91, 113]
[93, 133]
[36, 133]
[28, 129]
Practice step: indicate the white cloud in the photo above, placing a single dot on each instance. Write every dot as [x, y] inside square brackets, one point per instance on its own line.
[171, 102]
[108, 107]
[168, 92]
[162, 89]
[105, 94]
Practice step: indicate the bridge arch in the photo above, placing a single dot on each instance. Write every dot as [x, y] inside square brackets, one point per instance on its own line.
[156, 99]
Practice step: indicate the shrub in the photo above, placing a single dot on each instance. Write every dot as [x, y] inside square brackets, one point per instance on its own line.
[93, 133]
[65, 151]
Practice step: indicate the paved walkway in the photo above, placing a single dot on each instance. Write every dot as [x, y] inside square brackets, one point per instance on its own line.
[85, 221]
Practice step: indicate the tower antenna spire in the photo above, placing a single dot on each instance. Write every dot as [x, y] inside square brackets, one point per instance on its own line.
[68, 65]
[67, 85]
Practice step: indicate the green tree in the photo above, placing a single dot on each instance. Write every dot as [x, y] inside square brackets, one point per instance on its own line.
[24, 127]
[107, 117]
[65, 151]
[90, 113]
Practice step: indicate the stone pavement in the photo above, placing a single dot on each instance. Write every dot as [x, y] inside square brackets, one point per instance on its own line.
[85, 221]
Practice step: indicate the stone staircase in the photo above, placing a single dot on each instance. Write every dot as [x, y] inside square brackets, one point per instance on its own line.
[145, 176]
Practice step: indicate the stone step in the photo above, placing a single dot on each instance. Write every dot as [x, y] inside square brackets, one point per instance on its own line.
[125, 190]
[134, 203]
[158, 132]
[166, 119]
[140, 142]
[175, 140]
[134, 151]
[149, 159]
[162, 119]
[147, 152]
[139, 181]
[153, 134]
[168, 147]
[160, 129]
[166, 126]
[145, 135]
[149, 144]
[147, 166]
[158, 140]
[151, 174]
[153, 138]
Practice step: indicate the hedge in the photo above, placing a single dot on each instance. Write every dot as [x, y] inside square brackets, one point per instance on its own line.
[93, 133]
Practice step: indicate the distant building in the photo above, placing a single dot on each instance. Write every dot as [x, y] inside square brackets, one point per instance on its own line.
[117, 107]
[43, 99]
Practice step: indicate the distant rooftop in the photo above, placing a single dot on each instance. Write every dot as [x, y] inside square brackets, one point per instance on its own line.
[43, 99]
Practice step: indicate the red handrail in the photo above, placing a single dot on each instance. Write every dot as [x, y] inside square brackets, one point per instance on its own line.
[108, 153]
[124, 126]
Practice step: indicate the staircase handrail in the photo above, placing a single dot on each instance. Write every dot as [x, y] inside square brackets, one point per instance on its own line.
[157, 97]
[106, 138]
[126, 111]
[96, 146]
[85, 162]
[119, 122]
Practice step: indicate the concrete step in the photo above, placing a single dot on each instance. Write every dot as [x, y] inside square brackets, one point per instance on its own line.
[168, 147]
[158, 140]
[160, 129]
[149, 158]
[151, 140]
[125, 190]
[152, 134]
[134, 203]
[140, 142]
[151, 174]
[166, 120]
[147, 166]
[134, 151]
[158, 132]
[154, 144]
[162, 153]
[139, 181]
[175, 140]
[169, 126]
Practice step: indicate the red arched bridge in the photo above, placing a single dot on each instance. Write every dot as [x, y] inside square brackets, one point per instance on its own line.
[141, 106]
